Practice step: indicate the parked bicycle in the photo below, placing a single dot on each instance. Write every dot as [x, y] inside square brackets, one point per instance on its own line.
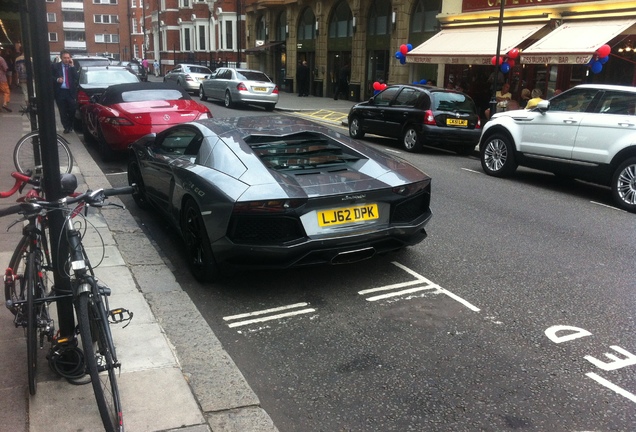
[27, 154]
[90, 299]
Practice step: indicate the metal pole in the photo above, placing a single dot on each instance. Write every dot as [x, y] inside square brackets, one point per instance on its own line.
[493, 100]
[50, 159]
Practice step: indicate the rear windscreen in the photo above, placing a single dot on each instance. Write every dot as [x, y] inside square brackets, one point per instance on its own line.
[454, 102]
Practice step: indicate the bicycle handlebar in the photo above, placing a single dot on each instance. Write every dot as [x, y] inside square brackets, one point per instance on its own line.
[90, 197]
[20, 180]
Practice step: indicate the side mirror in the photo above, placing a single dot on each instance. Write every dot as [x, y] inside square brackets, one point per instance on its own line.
[371, 99]
[543, 106]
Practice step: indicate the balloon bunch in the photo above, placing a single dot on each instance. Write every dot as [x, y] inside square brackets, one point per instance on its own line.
[378, 87]
[402, 52]
[506, 62]
[600, 57]
[422, 81]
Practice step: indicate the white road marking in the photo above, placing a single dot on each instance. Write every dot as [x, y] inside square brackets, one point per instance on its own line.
[612, 386]
[116, 174]
[419, 279]
[269, 317]
[471, 170]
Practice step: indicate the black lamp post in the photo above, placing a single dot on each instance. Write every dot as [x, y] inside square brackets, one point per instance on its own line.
[493, 100]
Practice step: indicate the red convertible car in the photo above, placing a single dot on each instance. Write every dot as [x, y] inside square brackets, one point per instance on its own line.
[126, 112]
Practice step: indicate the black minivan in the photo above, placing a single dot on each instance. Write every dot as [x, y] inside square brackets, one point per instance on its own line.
[419, 115]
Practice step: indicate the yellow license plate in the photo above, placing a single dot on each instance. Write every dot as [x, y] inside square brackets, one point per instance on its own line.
[260, 89]
[456, 122]
[347, 215]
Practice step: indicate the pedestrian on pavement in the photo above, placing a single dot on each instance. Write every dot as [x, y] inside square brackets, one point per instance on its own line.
[65, 77]
[21, 72]
[145, 64]
[302, 78]
[155, 67]
[5, 92]
[342, 86]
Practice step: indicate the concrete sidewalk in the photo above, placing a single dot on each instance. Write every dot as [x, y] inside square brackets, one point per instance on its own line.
[175, 373]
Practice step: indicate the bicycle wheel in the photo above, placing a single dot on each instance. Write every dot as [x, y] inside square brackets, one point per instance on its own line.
[32, 324]
[101, 362]
[13, 289]
[24, 154]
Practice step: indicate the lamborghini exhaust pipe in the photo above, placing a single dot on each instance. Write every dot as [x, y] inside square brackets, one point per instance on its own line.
[353, 256]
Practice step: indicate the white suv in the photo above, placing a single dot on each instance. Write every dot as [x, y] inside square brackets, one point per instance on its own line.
[587, 132]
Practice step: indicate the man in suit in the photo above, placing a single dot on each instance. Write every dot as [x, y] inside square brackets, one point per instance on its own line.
[65, 77]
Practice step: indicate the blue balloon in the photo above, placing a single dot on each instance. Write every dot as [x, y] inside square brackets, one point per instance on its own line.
[415, 82]
[423, 81]
[375, 92]
[398, 55]
[505, 67]
[409, 46]
[403, 60]
[597, 67]
[603, 60]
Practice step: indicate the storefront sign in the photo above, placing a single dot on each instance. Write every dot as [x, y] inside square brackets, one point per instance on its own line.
[556, 59]
[477, 5]
[448, 60]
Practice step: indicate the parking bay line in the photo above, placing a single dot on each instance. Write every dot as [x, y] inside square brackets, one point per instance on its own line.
[269, 317]
[419, 279]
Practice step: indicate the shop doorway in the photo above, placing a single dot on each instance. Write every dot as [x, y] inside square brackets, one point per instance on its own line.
[337, 60]
[377, 70]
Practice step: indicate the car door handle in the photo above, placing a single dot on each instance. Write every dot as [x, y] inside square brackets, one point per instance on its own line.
[569, 121]
[626, 124]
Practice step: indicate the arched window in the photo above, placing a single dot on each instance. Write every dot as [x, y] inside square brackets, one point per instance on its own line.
[379, 16]
[341, 24]
[307, 25]
[424, 16]
[281, 27]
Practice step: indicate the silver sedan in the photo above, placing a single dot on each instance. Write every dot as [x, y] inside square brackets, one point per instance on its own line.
[235, 86]
[188, 76]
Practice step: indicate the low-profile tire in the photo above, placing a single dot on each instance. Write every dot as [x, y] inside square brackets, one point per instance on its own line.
[227, 100]
[497, 156]
[199, 252]
[202, 95]
[270, 107]
[624, 185]
[88, 137]
[411, 140]
[134, 177]
[355, 128]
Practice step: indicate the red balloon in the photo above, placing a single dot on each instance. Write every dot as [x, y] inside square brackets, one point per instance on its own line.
[511, 62]
[513, 53]
[493, 60]
[404, 49]
[604, 51]
[376, 85]
[382, 86]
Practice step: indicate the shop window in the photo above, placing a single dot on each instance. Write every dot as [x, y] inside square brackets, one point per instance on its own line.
[341, 24]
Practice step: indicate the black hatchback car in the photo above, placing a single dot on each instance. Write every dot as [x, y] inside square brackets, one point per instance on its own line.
[419, 115]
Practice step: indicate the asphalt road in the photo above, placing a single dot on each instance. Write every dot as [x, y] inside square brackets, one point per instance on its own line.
[458, 333]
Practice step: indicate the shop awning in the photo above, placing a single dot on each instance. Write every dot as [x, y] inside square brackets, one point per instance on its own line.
[574, 42]
[263, 48]
[472, 45]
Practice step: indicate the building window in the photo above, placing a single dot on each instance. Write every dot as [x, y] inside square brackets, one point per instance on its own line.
[202, 38]
[136, 51]
[229, 39]
[52, 37]
[105, 2]
[107, 38]
[424, 18]
[74, 36]
[379, 17]
[72, 16]
[341, 24]
[105, 19]
[50, 17]
[281, 27]
[184, 3]
[50, 1]
[134, 26]
[187, 44]
[133, 3]
[306, 25]
[260, 29]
